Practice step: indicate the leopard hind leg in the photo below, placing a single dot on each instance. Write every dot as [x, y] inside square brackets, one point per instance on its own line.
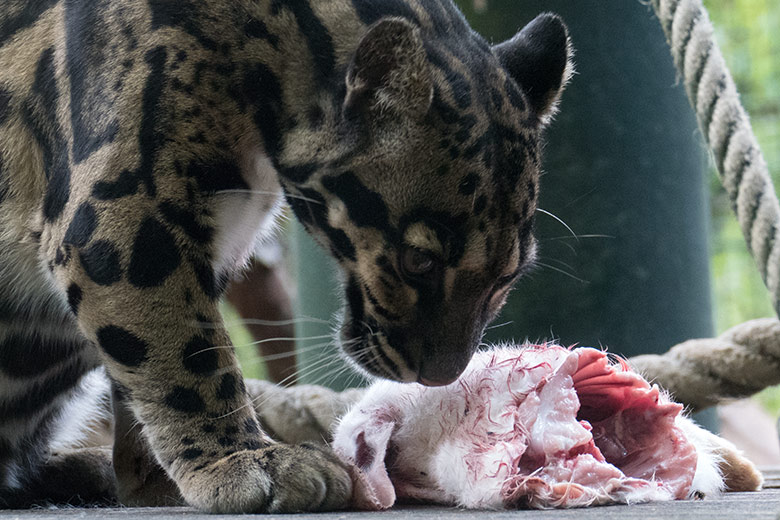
[41, 462]
[52, 388]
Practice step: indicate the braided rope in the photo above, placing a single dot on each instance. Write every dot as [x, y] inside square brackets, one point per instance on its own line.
[746, 358]
[703, 372]
[726, 127]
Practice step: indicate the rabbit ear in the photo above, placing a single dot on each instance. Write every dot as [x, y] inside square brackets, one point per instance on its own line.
[363, 445]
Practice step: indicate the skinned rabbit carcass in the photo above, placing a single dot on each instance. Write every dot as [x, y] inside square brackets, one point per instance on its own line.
[533, 426]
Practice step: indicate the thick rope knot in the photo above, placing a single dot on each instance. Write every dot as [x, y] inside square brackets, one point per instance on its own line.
[703, 372]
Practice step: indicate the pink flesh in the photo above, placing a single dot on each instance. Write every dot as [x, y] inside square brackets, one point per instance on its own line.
[551, 427]
[635, 443]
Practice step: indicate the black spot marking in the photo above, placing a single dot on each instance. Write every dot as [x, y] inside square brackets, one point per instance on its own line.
[255, 28]
[531, 188]
[82, 226]
[208, 428]
[226, 441]
[75, 295]
[179, 86]
[356, 307]
[191, 453]
[263, 91]
[378, 307]
[155, 255]
[526, 210]
[29, 355]
[5, 105]
[204, 274]
[301, 203]
[386, 265]
[448, 115]
[227, 387]
[19, 16]
[200, 356]
[469, 184]
[476, 148]
[187, 220]
[466, 124]
[91, 103]
[480, 204]
[39, 113]
[316, 117]
[182, 14]
[4, 186]
[217, 176]
[122, 345]
[126, 184]
[61, 258]
[525, 233]
[101, 263]
[185, 400]
[366, 208]
[298, 174]
[317, 38]
[40, 394]
[459, 85]
[149, 138]
[312, 211]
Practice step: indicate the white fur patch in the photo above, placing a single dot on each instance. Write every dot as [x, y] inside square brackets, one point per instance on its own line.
[245, 218]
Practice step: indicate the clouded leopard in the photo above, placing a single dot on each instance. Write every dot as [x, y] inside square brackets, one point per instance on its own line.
[146, 146]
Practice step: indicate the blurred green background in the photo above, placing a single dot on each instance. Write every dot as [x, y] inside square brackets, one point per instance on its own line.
[749, 34]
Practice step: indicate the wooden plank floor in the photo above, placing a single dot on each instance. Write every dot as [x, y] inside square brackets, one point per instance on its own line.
[762, 505]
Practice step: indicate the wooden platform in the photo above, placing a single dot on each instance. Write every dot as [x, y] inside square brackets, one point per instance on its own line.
[764, 504]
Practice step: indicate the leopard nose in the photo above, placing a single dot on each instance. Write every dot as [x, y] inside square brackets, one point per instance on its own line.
[436, 381]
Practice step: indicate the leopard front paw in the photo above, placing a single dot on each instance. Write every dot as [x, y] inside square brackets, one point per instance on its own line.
[277, 479]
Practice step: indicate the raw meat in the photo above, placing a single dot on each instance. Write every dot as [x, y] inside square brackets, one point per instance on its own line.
[534, 426]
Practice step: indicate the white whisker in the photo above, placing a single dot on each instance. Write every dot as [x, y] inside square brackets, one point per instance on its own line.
[252, 321]
[499, 325]
[556, 269]
[270, 193]
[564, 224]
[576, 237]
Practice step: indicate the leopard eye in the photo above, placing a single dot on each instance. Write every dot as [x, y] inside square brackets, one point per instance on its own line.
[417, 262]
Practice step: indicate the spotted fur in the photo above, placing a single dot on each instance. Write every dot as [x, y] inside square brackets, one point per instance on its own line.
[146, 145]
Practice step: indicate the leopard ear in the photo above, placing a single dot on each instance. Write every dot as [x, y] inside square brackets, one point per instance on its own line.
[539, 59]
[389, 71]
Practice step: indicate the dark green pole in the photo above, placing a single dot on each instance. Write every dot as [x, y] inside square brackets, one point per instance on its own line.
[625, 166]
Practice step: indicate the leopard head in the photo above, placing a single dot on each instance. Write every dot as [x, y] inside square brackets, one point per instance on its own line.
[425, 186]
